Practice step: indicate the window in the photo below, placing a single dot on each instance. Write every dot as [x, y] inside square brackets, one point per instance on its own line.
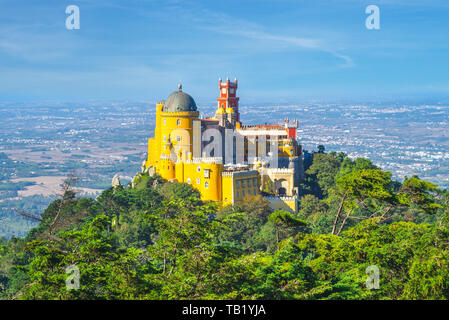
[206, 173]
[178, 138]
[249, 183]
[189, 181]
[255, 182]
[178, 122]
[223, 90]
[206, 185]
[243, 183]
[238, 184]
[198, 169]
[198, 180]
[165, 122]
[254, 191]
[231, 90]
[237, 195]
[243, 193]
[165, 138]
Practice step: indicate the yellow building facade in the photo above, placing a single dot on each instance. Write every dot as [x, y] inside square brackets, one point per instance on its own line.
[178, 153]
[171, 149]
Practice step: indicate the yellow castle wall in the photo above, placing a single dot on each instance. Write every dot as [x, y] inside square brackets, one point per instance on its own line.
[227, 190]
[287, 204]
[210, 186]
[174, 125]
[237, 187]
[244, 186]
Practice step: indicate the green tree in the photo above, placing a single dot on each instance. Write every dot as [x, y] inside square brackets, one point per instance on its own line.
[415, 191]
[320, 176]
[355, 188]
[177, 190]
[316, 212]
[245, 225]
[106, 272]
[285, 224]
[183, 245]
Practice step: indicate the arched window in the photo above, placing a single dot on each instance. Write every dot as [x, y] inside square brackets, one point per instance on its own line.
[198, 180]
[206, 185]
[282, 191]
[178, 122]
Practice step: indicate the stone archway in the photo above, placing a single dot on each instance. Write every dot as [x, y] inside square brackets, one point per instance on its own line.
[282, 186]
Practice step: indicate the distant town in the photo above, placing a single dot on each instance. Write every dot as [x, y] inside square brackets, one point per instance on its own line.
[41, 144]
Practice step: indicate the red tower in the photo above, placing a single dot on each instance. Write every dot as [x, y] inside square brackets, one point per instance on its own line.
[228, 96]
[291, 128]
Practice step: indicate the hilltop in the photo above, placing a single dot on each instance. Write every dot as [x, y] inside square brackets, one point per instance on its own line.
[158, 240]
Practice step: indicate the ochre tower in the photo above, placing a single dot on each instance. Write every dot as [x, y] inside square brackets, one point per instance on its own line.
[171, 150]
[173, 133]
[228, 97]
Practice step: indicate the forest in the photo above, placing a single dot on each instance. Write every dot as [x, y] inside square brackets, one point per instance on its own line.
[157, 240]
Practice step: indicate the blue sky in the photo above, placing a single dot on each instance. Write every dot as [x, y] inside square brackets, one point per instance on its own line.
[281, 51]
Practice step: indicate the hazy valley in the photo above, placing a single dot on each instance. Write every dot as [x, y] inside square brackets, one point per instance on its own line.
[40, 144]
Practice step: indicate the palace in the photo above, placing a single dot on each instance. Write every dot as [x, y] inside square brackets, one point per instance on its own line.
[223, 159]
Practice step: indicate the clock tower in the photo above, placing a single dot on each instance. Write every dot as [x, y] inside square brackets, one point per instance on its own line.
[228, 96]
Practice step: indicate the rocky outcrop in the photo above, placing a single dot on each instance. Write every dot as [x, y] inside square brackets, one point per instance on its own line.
[116, 180]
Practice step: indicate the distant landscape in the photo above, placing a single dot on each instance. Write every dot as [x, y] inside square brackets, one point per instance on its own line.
[40, 144]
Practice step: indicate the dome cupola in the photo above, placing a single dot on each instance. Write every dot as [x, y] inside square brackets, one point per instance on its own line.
[179, 101]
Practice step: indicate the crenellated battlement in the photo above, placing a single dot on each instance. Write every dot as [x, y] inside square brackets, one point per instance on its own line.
[239, 173]
[277, 170]
[209, 160]
[180, 114]
[165, 156]
[272, 198]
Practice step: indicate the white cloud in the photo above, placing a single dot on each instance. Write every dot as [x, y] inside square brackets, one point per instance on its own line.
[222, 23]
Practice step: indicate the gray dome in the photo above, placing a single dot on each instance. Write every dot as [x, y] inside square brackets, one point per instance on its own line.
[179, 101]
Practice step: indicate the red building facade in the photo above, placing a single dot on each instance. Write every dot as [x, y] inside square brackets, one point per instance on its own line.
[228, 96]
